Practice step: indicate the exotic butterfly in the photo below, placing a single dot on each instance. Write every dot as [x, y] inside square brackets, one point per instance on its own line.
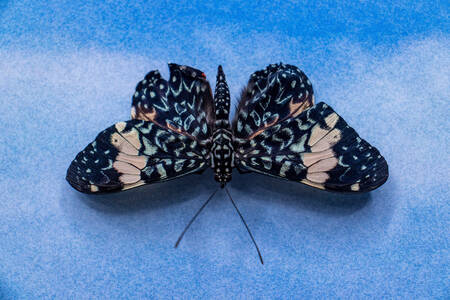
[178, 128]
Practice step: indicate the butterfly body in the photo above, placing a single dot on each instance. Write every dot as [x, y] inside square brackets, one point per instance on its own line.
[222, 150]
[178, 127]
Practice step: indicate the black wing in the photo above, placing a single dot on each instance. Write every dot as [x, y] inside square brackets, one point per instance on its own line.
[314, 146]
[183, 104]
[271, 96]
[168, 137]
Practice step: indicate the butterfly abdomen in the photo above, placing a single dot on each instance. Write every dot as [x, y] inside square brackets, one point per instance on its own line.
[221, 101]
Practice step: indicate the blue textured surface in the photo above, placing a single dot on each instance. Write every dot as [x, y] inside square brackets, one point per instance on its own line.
[68, 70]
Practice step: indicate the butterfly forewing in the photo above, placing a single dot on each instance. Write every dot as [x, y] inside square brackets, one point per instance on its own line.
[133, 153]
[317, 148]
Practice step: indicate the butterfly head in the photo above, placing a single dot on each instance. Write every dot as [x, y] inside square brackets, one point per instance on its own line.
[222, 178]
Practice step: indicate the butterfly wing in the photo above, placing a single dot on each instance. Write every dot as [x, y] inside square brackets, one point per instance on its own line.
[183, 104]
[315, 146]
[168, 137]
[272, 95]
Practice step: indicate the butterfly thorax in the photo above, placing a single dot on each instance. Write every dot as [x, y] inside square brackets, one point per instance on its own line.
[222, 155]
[222, 152]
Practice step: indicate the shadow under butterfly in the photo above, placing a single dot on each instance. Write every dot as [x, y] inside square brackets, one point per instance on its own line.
[178, 128]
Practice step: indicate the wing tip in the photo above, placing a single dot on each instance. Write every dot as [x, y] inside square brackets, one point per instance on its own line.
[368, 184]
[75, 181]
[88, 183]
[87, 188]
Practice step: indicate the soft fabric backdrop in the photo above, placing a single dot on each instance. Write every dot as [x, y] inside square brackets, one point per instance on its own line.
[68, 70]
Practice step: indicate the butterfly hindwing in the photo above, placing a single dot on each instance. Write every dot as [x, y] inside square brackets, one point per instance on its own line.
[183, 104]
[134, 153]
[317, 148]
[272, 95]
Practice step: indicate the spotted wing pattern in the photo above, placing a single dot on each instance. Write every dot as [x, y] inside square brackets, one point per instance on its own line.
[169, 136]
[133, 153]
[183, 104]
[277, 131]
[272, 95]
[312, 145]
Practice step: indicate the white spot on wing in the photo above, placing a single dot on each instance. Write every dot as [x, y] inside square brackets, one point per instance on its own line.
[355, 187]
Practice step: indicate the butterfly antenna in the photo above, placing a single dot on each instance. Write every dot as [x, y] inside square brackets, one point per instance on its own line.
[194, 217]
[243, 221]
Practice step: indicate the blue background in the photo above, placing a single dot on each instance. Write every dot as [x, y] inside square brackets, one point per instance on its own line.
[68, 70]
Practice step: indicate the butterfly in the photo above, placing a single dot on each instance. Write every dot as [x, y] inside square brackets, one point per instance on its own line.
[178, 127]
